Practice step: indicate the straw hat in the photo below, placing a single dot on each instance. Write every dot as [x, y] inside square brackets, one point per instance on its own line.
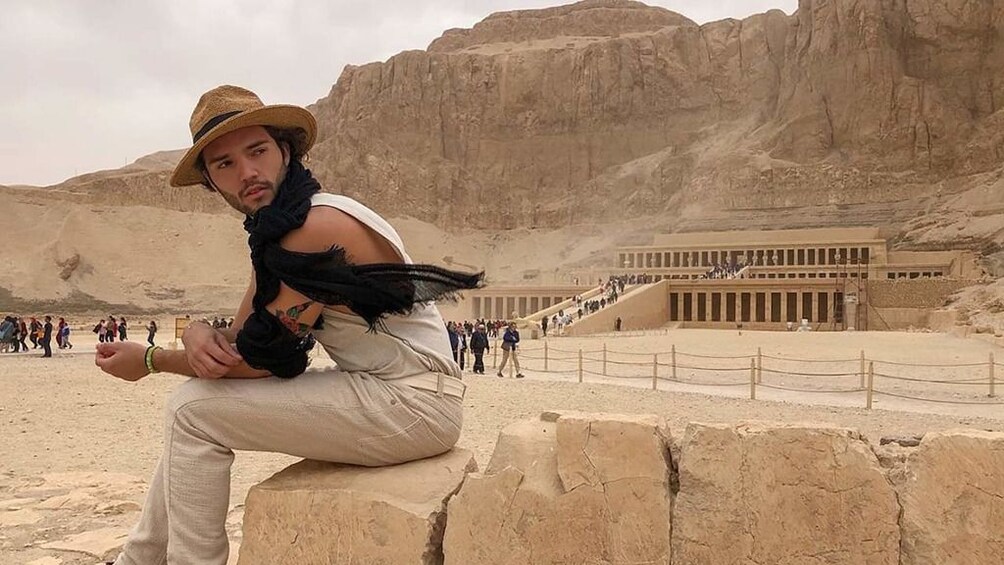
[228, 108]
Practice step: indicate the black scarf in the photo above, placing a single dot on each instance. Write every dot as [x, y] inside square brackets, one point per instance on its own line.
[371, 291]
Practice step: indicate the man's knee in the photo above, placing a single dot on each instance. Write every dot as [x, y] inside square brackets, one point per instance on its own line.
[186, 398]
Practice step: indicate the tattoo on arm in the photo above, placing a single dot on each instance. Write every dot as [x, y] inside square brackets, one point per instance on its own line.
[291, 318]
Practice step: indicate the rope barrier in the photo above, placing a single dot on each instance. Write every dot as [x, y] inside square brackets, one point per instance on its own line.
[588, 372]
[649, 371]
[773, 357]
[932, 365]
[678, 381]
[635, 353]
[968, 382]
[575, 352]
[612, 362]
[553, 372]
[796, 360]
[825, 391]
[681, 354]
[963, 402]
[549, 357]
[721, 369]
[766, 370]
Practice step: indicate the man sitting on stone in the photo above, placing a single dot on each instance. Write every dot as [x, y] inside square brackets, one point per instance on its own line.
[324, 268]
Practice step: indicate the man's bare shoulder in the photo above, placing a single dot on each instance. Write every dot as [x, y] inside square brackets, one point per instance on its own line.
[326, 227]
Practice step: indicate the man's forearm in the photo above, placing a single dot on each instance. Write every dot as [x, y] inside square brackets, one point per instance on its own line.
[176, 362]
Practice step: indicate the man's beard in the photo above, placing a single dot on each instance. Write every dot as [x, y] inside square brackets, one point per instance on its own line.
[237, 201]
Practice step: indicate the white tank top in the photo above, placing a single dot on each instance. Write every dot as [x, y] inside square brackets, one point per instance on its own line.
[413, 349]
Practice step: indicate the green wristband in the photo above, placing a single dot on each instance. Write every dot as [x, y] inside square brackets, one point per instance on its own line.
[149, 358]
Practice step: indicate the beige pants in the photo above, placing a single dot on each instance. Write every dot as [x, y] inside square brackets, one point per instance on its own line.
[326, 415]
[506, 354]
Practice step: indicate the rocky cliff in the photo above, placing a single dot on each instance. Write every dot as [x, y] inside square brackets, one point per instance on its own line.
[863, 112]
[614, 113]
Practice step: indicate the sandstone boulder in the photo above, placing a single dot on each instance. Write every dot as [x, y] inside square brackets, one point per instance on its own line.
[581, 489]
[953, 500]
[315, 512]
[782, 495]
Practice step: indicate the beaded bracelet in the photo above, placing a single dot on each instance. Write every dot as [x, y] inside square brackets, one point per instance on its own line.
[149, 358]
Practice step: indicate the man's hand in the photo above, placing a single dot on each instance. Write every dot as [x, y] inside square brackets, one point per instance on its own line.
[124, 359]
[209, 353]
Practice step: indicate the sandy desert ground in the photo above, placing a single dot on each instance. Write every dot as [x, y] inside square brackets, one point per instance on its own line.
[77, 446]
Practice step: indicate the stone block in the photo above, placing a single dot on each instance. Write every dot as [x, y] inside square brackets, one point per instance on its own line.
[314, 512]
[579, 489]
[953, 500]
[782, 495]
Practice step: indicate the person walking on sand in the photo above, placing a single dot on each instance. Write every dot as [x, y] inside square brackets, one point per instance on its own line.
[396, 394]
[152, 329]
[34, 327]
[15, 336]
[122, 330]
[451, 330]
[59, 333]
[510, 340]
[65, 336]
[46, 339]
[24, 333]
[6, 334]
[479, 345]
[461, 345]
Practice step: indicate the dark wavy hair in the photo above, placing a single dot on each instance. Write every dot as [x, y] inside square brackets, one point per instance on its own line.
[293, 139]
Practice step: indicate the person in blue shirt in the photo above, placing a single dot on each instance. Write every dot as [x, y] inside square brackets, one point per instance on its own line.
[451, 330]
[510, 340]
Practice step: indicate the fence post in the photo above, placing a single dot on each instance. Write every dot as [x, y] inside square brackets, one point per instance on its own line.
[655, 371]
[992, 383]
[604, 358]
[861, 370]
[759, 365]
[673, 361]
[752, 379]
[871, 384]
[580, 364]
[495, 355]
[545, 356]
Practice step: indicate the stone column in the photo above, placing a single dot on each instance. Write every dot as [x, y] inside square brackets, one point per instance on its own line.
[850, 310]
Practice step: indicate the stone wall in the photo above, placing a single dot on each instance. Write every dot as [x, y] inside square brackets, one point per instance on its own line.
[608, 489]
[913, 293]
[885, 319]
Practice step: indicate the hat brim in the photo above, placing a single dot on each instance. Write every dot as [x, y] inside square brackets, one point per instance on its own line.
[283, 116]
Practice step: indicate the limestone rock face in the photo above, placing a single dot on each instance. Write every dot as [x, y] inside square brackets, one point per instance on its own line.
[782, 495]
[583, 489]
[314, 512]
[591, 18]
[953, 500]
[542, 118]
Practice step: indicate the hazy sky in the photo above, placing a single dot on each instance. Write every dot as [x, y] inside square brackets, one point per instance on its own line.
[90, 85]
